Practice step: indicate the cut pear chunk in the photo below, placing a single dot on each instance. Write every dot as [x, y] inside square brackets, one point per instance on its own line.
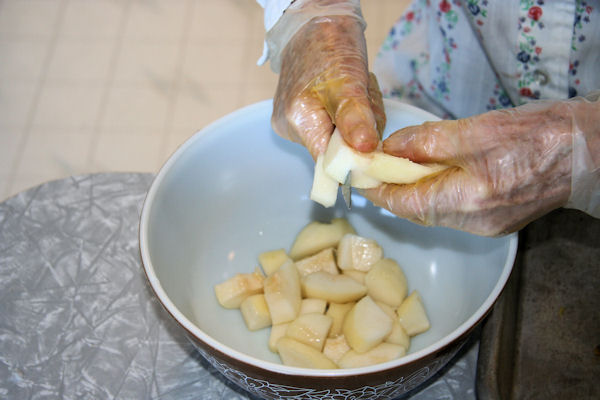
[309, 306]
[381, 353]
[324, 188]
[277, 332]
[358, 276]
[270, 261]
[340, 158]
[324, 260]
[366, 325]
[283, 293]
[255, 312]
[386, 282]
[335, 348]
[398, 335]
[310, 329]
[358, 253]
[233, 291]
[297, 354]
[412, 315]
[337, 288]
[390, 169]
[338, 311]
[317, 236]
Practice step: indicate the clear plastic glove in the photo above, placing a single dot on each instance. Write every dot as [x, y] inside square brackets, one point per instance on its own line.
[508, 167]
[324, 79]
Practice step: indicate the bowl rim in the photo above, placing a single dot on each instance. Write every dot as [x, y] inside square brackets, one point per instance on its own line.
[199, 334]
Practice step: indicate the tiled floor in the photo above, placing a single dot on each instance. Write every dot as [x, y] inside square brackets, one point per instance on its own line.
[115, 85]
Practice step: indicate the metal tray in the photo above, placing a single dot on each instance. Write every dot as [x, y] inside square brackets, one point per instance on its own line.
[542, 339]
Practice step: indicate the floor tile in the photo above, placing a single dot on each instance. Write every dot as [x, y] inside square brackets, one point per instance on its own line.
[72, 106]
[29, 19]
[134, 152]
[57, 152]
[158, 20]
[92, 20]
[214, 63]
[22, 59]
[136, 108]
[81, 61]
[223, 21]
[146, 63]
[9, 142]
[16, 101]
[21, 182]
[199, 103]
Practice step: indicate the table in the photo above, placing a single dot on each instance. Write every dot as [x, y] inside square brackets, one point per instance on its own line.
[78, 319]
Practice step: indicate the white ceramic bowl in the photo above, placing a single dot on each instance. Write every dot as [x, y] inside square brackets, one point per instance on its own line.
[236, 189]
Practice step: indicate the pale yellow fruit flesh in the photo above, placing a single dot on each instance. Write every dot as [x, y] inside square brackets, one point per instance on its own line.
[324, 188]
[381, 353]
[318, 236]
[358, 276]
[412, 315]
[338, 311]
[234, 290]
[255, 312]
[386, 282]
[309, 306]
[296, 354]
[368, 170]
[357, 253]
[335, 348]
[310, 329]
[366, 325]
[277, 332]
[283, 293]
[271, 260]
[324, 260]
[336, 288]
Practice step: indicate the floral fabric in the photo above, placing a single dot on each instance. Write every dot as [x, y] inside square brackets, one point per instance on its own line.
[457, 58]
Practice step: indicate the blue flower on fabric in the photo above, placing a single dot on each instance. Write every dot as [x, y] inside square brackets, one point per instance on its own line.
[572, 92]
[504, 100]
[523, 56]
[474, 8]
[442, 86]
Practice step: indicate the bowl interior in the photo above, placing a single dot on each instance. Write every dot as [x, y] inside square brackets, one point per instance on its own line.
[236, 189]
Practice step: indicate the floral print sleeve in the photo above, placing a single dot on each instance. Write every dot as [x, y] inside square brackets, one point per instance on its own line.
[464, 57]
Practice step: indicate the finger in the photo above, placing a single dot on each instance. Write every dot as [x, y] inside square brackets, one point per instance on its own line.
[427, 143]
[357, 124]
[305, 122]
[376, 102]
[427, 202]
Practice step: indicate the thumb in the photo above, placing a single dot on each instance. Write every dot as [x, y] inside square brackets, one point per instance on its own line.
[430, 142]
[347, 101]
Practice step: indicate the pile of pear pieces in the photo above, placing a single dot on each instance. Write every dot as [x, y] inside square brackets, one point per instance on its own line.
[333, 301]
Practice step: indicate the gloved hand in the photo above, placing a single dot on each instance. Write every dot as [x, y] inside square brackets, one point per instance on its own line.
[508, 167]
[324, 80]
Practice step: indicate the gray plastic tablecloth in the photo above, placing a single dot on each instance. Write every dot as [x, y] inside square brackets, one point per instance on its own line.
[78, 319]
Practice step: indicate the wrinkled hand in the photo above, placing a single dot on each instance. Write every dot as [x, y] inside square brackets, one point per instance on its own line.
[508, 167]
[324, 82]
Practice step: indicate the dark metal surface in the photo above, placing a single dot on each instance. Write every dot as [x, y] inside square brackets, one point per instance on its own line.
[542, 339]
